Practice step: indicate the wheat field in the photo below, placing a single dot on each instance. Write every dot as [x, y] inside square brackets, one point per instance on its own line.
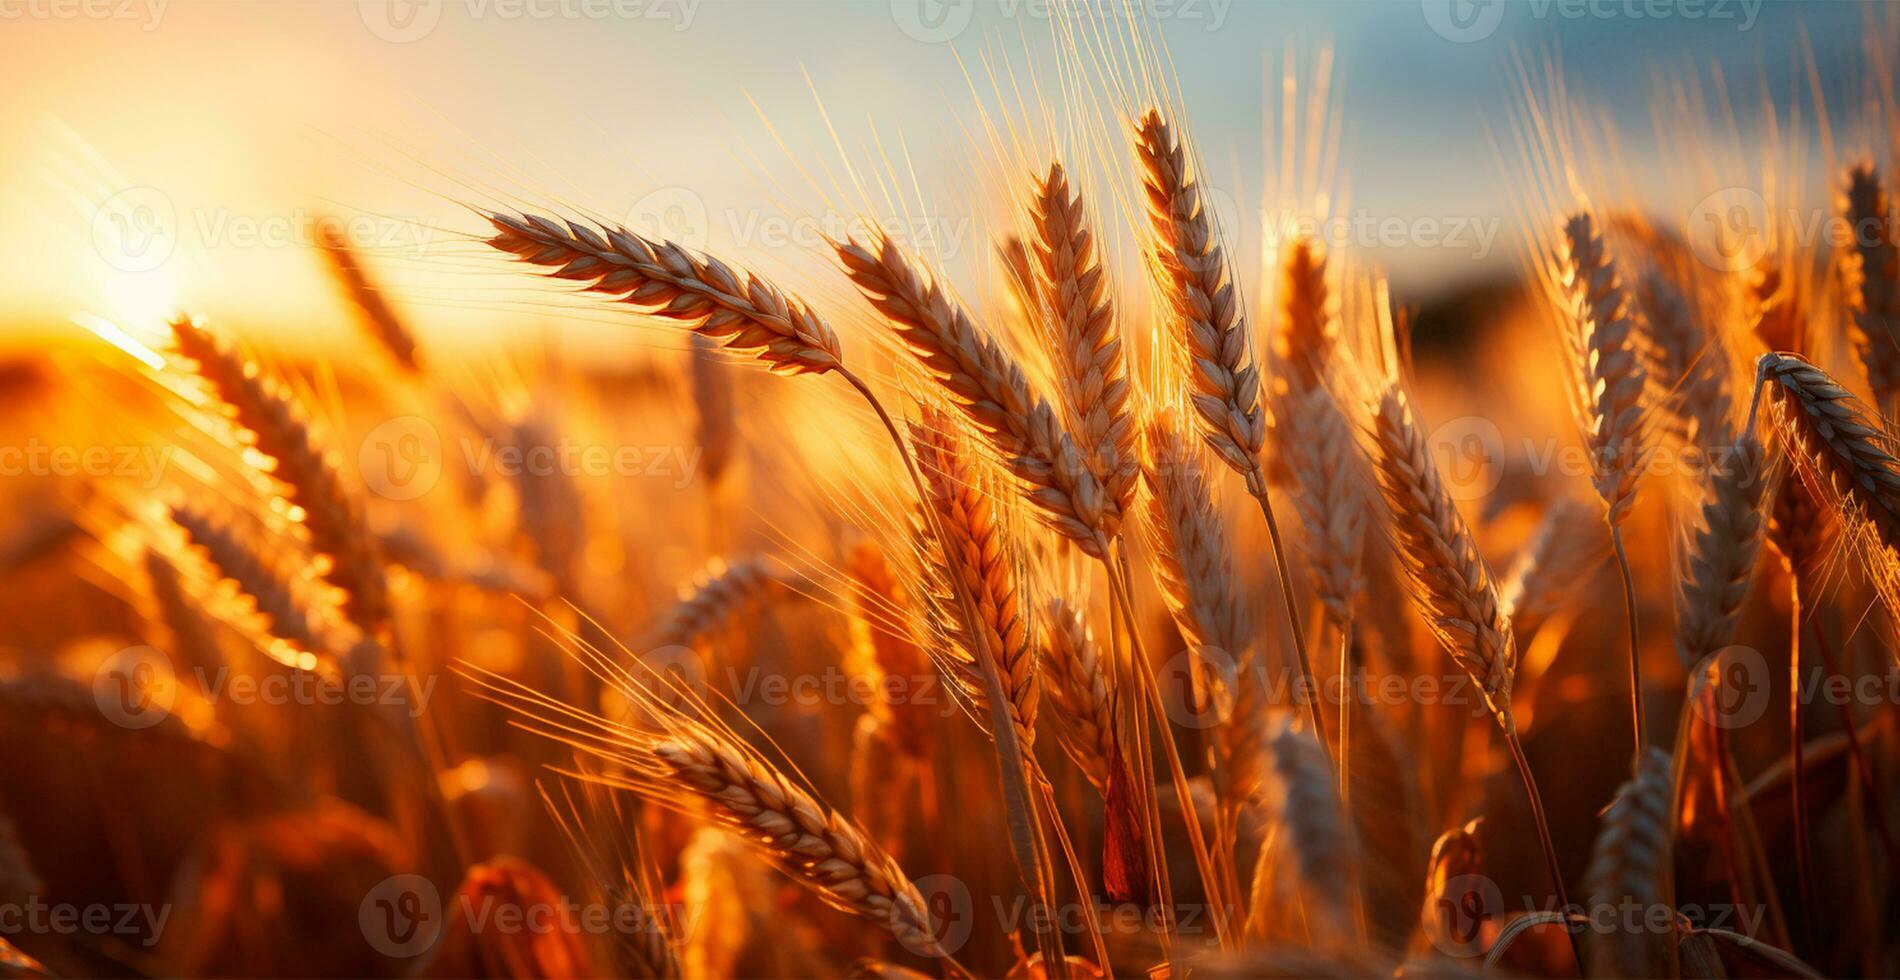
[1125, 607]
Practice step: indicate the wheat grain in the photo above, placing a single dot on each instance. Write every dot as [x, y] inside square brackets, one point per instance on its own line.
[718, 595]
[1320, 459]
[1844, 456]
[1081, 691]
[739, 310]
[1307, 333]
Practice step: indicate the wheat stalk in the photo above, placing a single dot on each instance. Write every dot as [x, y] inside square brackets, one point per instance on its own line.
[1606, 349]
[330, 512]
[991, 390]
[1874, 275]
[1088, 346]
[739, 310]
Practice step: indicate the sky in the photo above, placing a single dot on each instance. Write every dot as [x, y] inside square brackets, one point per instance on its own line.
[174, 153]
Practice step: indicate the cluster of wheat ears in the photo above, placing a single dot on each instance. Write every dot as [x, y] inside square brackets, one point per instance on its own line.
[992, 571]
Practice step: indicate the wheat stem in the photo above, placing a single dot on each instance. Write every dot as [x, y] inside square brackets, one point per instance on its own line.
[1636, 647]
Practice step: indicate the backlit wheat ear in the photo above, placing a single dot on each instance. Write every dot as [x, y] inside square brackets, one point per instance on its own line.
[1080, 691]
[1223, 379]
[1875, 279]
[1689, 366]
[1330, 497]
[978, 553]
[330, 512]
[680, 758]
[1720, 558]
[1090, 368]
[1565, 550]
[1194, 568]
[719, 595]
[290, 619]
[1609, 365]
[1314, 821]
[739, 310]
[712, 409]
[1842, 453]
[1307, 334]
[383, 323]
[1451, 584]
[1630, 867]
[991, 390]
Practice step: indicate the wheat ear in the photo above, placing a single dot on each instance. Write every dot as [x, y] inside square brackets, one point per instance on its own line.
[1088, 345]
[977, 554]
[333, 516]
[1607, 355]
[1875, 278]
[1631, 863]
[1841, 453]
[382, 322]
[718, 595]
[737, 309]
[1307, 333]
[990, 388]
[1319, 837]
[1081, 690]
[1719, 562]
[1562, 552]
[1452, 586]
[270, 592]
[1687, 366]
[1214, 341]
[882, 628]
[1320, 459]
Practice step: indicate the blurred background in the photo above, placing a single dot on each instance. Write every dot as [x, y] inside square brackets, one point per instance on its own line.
[176, 152]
